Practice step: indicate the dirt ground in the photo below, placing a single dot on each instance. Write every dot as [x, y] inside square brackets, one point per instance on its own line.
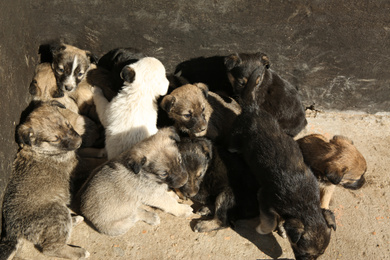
[363, 216]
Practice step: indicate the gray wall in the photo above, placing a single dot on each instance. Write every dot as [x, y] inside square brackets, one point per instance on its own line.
[336, 52]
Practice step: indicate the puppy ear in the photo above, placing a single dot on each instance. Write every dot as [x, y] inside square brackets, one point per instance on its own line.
[55, 48]
[128, 74]
[329, 218]
[24, 135]
[33, 88]
[294, 229]
[57, 104]
[136, 165]
[204, 88]
[92, 58]
[207, 148]
[167, 103]
[265, 60]
[231, 61]
[335, 175]
[174, 135]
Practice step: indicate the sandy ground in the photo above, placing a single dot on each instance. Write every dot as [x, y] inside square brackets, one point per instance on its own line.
[363, 216]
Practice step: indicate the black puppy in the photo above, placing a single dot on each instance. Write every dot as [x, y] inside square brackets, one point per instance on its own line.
[230, 75]
[220, 181]
[289, 192]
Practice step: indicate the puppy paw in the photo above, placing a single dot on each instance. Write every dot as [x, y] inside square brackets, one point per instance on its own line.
[208, 225]
[204, 211]
[77, 220]
[173, 195]
[185, 210]
[97, 91]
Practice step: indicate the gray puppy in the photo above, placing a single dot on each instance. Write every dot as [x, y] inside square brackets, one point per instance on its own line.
[112, 198]
[36, 198]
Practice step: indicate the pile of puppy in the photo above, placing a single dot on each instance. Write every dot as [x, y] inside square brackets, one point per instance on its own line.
[109, 138]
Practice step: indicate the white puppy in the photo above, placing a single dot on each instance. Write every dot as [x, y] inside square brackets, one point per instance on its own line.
[131, 116]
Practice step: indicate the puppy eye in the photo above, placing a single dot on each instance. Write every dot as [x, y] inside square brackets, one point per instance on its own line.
[55, 140]
[80, 74]
[164, 174]
[203, 109]
[60, 70]
[187, 116]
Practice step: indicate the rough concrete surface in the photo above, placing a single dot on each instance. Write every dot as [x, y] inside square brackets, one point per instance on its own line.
[362, 216]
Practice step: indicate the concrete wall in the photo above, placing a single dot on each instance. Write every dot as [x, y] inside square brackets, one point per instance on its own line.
[336, 52]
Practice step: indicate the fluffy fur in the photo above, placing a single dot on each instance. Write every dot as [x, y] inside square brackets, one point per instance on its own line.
[219, 180]
[131, 116]
[36, 198]
[289, 193]
[199, 112]
[333, 162]
[112, 198]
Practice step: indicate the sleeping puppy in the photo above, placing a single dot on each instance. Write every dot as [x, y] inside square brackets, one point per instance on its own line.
[112, 198]
[274, 94]
[333, 162]
[289, 193]
[131, 116]
[220, 181]
[43, 88]
[229, 75]
[199, 112]
[36, 200]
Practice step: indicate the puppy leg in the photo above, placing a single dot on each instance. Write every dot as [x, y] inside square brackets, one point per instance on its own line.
[149, 217]
[326, 194]
[161, 199]
[101, 104]
[268, 220]
[64, 251]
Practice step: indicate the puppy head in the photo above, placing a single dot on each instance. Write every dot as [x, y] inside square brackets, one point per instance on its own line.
[240, 67]
[311, 240]
[70, 65]
[187, 106]
[147, 75]
[47, 131]
[158, 157]
[43, 86]
[196, 154]
[337, 161]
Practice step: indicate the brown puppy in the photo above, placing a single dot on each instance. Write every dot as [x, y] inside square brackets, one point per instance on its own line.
[335, 161]
[199, 112]
[43, 88]
[36, 198]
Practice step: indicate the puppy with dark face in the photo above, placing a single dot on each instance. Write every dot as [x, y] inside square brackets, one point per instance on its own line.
[289, 194]
[199, 112]
[113, 196]
[230, 74]
[333, 162]
[274, 94]
[220, 181]
[70, 66]
[37, 195]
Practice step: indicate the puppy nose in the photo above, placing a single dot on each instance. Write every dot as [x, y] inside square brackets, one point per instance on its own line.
[68, 87]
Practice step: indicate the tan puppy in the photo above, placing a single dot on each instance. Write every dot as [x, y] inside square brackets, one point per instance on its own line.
[335, 161]
[36, 198]
[113, 198]
[43, 88]
[199, 112]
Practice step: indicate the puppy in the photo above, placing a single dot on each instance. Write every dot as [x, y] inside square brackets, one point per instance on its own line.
[199, 112]
[230, 74]
[36, 198]
[70, 65]
[220, 181]
[333, 162]
[43, 88]
[289, 192]
[131, 116]
[113, 196]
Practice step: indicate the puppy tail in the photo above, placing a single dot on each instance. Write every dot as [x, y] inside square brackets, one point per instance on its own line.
[8, 248]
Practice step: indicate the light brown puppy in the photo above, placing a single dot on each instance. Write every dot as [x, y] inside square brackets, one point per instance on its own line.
[43, 88]
[335, 161]
[199, 112]
[36, 198]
